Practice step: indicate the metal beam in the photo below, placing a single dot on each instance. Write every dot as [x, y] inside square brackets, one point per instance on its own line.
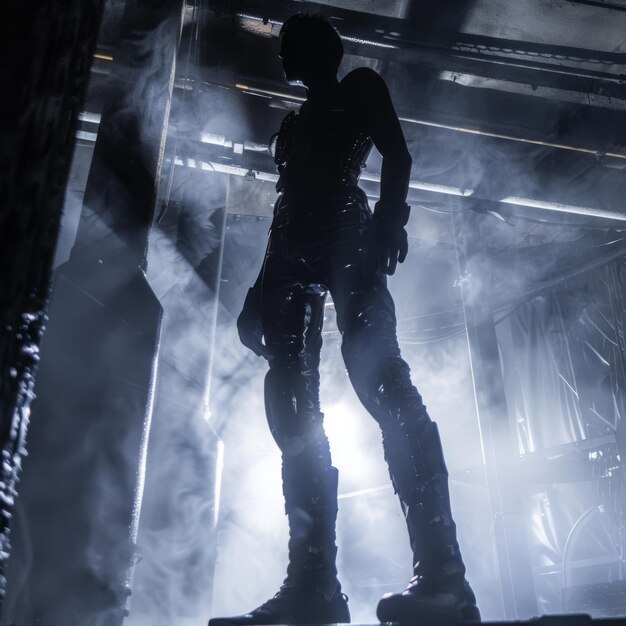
[435, 41]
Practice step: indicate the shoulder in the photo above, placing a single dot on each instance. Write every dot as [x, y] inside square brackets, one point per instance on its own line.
[288, 120]
[364, 78]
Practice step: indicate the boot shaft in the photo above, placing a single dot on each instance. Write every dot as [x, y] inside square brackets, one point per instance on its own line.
[420, 478]
[311, 508]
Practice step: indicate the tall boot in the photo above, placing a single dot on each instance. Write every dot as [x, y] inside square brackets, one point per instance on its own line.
[438, 591]
[311, 592]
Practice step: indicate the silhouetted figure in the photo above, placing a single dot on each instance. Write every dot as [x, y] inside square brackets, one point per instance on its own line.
[325, 238]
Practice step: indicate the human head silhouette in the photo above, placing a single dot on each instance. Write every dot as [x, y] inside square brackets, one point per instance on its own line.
[310, 48]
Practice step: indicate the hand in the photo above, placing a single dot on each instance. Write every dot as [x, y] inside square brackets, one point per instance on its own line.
[392, 244]
[249, 325]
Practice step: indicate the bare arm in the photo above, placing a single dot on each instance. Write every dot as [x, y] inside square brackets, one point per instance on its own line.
[371, 100]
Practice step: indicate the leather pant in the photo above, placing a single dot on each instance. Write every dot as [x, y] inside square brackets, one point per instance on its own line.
[334, 248]
[311, 251]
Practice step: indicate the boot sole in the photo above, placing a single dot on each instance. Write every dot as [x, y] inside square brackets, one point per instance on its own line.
[398, 608]
[225, 621]
[340, 615]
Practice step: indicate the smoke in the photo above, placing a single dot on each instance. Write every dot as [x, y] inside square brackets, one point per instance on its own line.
[250, 544]
[374, 555]
[213, 534]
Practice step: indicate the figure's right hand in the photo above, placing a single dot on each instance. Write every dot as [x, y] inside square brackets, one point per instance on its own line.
[250, 327]
[391, 239]
[393, 246]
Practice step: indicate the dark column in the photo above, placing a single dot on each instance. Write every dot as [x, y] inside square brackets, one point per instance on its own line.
[46, 50]
[83, 481]
[500, 451]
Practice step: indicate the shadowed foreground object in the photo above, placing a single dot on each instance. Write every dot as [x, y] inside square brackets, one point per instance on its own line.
[97, 375]
[40, 115]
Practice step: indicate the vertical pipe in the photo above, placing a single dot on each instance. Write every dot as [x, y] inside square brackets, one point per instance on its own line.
[498, 442]
[216, 307]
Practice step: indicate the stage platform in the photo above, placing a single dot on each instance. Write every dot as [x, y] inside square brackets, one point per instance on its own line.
[544, 620]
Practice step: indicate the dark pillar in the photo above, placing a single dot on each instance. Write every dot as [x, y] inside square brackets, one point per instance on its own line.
[500, 451]
[46, 50]
[83, 481]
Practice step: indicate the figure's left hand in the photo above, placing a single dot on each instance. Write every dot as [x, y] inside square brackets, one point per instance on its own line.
[250, 327]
